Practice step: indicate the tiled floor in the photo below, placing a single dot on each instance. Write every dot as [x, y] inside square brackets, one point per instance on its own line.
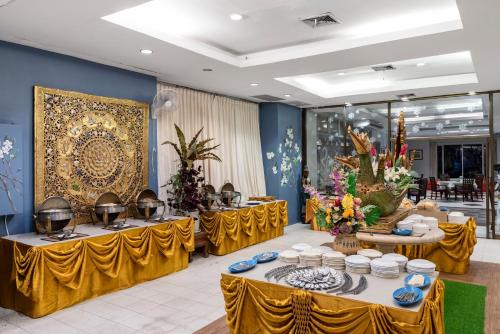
[178, 303]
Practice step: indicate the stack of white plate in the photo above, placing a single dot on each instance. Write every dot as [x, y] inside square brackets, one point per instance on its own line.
[370, 253]
[357, 264]
[416, 218]
[406, 224]
[457, 217]
[420, 229]
[384, 268]
[289, 256]
[420, 266]
[431, 222]
[301, 247]
[401, 260]
[311, 258]
[335, 260]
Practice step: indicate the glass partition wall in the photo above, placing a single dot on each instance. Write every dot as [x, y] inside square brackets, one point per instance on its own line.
[450, 134]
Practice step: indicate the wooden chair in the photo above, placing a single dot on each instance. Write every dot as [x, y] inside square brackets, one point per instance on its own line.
[479, 182]
[435, 189]
[466, 189]
[420, 192]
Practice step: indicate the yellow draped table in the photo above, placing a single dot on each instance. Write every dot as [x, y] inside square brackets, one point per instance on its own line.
[452, 254]
[39, 280]
[254, 306]
[231, 230]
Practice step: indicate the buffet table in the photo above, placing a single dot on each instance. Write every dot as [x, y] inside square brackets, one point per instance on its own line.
[231, 230]
[256, 306]
[39, 277]
[451, 255]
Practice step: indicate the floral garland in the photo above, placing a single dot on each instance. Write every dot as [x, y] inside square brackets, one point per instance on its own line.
[289, 156]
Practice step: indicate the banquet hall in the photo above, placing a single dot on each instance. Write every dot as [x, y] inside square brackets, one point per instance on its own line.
[249, 166]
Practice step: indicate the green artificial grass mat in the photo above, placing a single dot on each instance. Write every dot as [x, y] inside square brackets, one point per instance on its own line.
[464, 307]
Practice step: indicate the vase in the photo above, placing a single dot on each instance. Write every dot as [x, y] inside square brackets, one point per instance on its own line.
[346, 243]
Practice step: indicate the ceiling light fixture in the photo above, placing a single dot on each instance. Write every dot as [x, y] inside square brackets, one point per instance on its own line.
[288, 95]
[254, 84]
[471, 93]
[341, 73]
[146, 51]
[236, 17]
[420, 64]
[348, 104]
[207, 70]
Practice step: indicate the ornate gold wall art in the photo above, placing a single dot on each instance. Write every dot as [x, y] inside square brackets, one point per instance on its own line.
[86, 145]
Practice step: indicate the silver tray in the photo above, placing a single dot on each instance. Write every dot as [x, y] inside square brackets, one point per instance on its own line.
[319, 278]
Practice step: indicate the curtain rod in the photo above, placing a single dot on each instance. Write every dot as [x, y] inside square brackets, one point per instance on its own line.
[207, 92]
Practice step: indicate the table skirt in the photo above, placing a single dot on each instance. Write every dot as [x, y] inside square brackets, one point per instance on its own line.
[38, 281]
[229, 231]
[452, 254]
[260, 307]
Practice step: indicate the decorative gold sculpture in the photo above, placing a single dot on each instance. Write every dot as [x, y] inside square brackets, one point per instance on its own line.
[86, 145]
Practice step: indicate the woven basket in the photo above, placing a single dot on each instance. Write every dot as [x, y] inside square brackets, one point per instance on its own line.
[347, 244]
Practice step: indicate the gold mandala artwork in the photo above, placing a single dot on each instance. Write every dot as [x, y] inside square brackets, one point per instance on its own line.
[86, 145]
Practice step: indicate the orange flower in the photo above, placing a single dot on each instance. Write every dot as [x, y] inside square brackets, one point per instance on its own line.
[348, 213]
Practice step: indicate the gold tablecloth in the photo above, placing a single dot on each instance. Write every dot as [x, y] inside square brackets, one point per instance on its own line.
[451, 255]
[41, 280]
[229, 231]
[260, 307]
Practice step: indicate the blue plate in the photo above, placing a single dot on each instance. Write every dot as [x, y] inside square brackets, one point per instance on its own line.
[400, 231]
[427, 280]
[266, 257]
[443, 208]
[242, 266]
[419, 295]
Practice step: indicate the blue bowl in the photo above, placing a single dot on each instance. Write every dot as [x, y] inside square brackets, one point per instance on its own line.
[417, 299]
[399, 231]
[266, 257]
[443, 208]
[242, 266]
[427, 280]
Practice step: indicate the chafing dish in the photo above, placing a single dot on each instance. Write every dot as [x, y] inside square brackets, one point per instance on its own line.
[209, 196]
[229, 195]
[147, 203]
[107, 208]
[53, 215]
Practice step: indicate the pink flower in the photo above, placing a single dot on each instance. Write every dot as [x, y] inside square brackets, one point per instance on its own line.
[373, 151]
[357, 201]
[404, 149]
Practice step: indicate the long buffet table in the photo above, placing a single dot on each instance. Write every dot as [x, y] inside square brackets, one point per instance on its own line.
[231, 230]
[257, 306]
[39, 277]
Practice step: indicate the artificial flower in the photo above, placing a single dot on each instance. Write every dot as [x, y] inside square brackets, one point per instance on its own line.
[404, 149]
[347, 202]
[373, 151]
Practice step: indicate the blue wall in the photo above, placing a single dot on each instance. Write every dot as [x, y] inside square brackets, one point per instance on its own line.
[23, 67]
[274, 120]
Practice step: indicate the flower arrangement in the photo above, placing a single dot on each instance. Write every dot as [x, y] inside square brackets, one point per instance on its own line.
[184, 188]
[289, 156]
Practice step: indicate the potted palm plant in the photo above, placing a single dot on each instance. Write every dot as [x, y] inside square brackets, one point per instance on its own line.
[184, 193]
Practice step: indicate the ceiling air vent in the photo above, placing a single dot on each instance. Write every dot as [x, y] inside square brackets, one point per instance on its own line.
[321, 20]
[299, 104]
[383, 68]
[267, 98]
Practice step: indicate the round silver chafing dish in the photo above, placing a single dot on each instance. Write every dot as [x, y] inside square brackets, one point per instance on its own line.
[53, 215]
[209, 196]
[108, 207]
[147, 203]
[229, 195]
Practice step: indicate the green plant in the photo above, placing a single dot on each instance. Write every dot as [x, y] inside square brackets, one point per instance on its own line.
[184, 188]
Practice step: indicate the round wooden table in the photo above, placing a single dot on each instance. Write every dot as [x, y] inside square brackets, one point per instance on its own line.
[387, 242]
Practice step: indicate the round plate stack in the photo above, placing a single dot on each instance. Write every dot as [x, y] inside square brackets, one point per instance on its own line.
[431, 222]
[370, 253]
[420, 266]
[384, 268]
[289, 256]
[335, 260]
[310, 258]
[301, 247]
[357, 264]
[401, 260]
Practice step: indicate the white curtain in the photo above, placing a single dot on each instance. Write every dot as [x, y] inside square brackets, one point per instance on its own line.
[234, 124]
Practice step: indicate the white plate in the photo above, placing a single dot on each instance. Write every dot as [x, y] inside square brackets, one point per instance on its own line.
[422, 264]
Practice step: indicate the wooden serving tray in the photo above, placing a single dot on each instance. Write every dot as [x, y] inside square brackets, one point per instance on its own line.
[387, 223]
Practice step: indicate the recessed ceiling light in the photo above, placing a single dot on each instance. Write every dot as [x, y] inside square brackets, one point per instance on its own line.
[207, 70]
[348, 104]
[420, 64]
[236, 17]
[341, 73]
[146, 51]
[471, 92]
[254, 84]
[288, 95]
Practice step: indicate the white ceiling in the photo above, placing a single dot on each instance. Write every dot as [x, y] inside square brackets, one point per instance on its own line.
[77, 28]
